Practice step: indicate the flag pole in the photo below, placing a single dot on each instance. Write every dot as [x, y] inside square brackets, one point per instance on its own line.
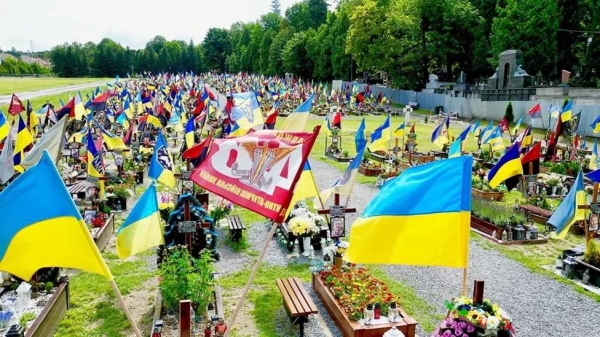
[464, 282]
[231, 321]
[136, 330]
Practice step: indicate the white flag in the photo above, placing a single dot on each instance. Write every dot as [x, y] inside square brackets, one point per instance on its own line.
[52, 141]
[7, 164]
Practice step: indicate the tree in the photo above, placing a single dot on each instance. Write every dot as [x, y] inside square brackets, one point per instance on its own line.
[298, 16]
[530, 26]
[317, 9]
[217, 46]
[294, 57]
[276, 7]
[508, 113]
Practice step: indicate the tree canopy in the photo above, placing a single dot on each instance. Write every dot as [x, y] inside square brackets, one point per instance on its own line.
[407, 39]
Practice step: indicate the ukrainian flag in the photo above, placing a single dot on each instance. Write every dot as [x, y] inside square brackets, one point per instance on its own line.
[438, 138]
[595, 124]
[123, 120]
[94, 157]
[54, 235]
[508, 166]
[566, 112]
[151, 119]
[594, 157]
[397, 225]
[381, 136]
[455, 148]
[142, 228]
[359, 140]
[568, 211]
[296, 121]
[4, 128]
[237, 131]
[190, 128]
[306, 187]
[112, 141]
[399, 132]
[495, 140]
[24, 139]
[161, 165]
[79, 107]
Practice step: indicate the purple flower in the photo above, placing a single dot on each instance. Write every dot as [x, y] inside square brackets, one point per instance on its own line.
[458, 331]
[470, 328]
[465, 335]
[462, 325]
[447, 333]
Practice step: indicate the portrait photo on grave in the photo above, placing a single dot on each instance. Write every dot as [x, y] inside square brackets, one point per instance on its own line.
[593, 221]
[338, 227]
[89, 215]
[92, 192]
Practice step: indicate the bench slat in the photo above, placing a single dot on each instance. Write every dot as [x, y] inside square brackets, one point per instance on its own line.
[287, 301]
[297, 309]
[305, 300]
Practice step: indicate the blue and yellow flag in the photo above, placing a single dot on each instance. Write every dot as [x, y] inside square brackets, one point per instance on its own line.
[463, 135]
[438, 137]
[305, 188]
[396, 226]
[568, 211]
[94, 157]
[55, 235]
[24, 139]
[142, 228]
[381, 136]
[595, 124]
[399, 132]
[4, 128]
[161, 165]
[508, 166]
[594, 157]
[360, 141]
[296, 121]
[190, 128]
[495, 140]
[455, 148]
[566, 112]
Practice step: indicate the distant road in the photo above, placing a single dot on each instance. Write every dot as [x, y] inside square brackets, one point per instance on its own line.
[48, 92]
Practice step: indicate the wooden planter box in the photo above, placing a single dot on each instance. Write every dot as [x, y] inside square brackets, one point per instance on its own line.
[544, 169]
[369, 172]
[496, 196]
[356, 329]
[594, 271]
[536, 214]
[378, 157]
[45, 324]
[486, 229]
[103, 236]
[339, 159]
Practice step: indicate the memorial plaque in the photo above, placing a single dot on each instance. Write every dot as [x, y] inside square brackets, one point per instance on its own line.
[336, 211]
[186, 175]
[118, 159]
[187, 227]
[74, 153]
[595, 207]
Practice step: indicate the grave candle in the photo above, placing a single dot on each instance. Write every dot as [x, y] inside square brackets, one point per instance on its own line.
[377, 311]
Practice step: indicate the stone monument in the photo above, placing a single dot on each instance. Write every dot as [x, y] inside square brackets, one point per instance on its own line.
[510, 81]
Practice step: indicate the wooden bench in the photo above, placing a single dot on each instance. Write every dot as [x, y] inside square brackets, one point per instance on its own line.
[77, 190]
[235, 227]
[296, 301]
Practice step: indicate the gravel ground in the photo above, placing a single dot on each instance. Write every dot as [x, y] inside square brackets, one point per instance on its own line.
[537, 304]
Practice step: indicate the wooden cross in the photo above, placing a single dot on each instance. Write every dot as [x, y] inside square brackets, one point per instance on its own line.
[336, 202]
[594, 200]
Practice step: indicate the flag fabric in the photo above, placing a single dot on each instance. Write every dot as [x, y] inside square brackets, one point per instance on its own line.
[530, 163]
[94, 158]
[486, 129]
[381, 137]
[79, 107]
[296, 121]
[51, 141]
[568, 211]
[337, 120]
[198, 152]
[475, 127]
[55, 235]
[516, 128]
[142, 228]
[66, 110]
[438, 137]
[113, 142]
[24, 139]
[399, 132]
[566, 112]
[455, 148]
[246, 111]
[258, 171]
[508, 166]
[161, 164]
[345, 184]
[7, 164]
[554, 111]
[463, 135]
[535, 111]
[503, 125]
[360, 141]
[16, 106]
[4, 127]
[495, 140]
[237, 131]
[99, 103]
[595, 124]
[594, 157]
[306, 187]
[396, 226]
[190, 129]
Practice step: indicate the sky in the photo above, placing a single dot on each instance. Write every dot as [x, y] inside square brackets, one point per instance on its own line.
[131, 23]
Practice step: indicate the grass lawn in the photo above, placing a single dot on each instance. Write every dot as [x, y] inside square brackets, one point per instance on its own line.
[9, 85]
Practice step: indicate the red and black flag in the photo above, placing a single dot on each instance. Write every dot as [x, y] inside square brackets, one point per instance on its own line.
[16, 106]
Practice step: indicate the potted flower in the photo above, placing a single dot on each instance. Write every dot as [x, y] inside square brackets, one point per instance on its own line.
[553, 183]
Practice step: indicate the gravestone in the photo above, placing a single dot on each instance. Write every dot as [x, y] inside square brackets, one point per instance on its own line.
[510, 81]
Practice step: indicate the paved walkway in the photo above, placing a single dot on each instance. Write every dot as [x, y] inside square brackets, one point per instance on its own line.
[5, 99]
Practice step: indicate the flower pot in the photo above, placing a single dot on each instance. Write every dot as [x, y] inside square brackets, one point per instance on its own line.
[554, 188]
[139, 177]
[337, 261]
[306, 245]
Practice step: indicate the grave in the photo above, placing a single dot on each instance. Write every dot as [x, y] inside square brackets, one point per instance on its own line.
[510, 82]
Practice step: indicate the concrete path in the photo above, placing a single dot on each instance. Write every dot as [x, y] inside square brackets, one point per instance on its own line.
[5, 99]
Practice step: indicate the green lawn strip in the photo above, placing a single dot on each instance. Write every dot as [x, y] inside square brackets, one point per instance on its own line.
[93, 301]
[9, 85]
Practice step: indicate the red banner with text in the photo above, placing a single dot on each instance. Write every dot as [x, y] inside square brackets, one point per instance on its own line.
[257, 171]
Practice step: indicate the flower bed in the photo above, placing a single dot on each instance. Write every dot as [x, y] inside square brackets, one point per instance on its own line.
[487, 229]
[103, 234]
[369, 171]
[40, 316]
[482, 189]
[345, 308]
